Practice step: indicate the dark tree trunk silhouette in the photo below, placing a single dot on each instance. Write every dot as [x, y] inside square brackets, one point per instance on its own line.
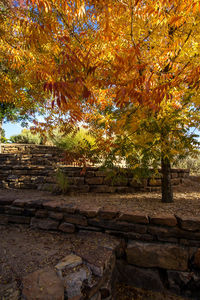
[167, 192]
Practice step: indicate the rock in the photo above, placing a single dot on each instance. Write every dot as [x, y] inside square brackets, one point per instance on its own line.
[94, 180]
[189, 223]
[166, 256]
[68, 208]
[75, 219]
[69, 261]
[47, 224]
[96, 257]
[102, 189]
[41, 213]
[108, 213]
[139, 277]
[74, 281]
[55, 215]
[12, 210]
[88, 211]
[117, 225]
[197, 259]
[43, 284]
[164, 219]
[3, 219]
[135, 217]
[53, 205]
[178, 281]
[6, 200]
[19, 219]
[67, 227]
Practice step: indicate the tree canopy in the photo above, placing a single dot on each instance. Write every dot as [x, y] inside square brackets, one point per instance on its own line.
[128, 67]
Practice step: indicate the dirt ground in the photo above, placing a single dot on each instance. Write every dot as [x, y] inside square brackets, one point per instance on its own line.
[131, 293]
[24, 250]
[186, 199]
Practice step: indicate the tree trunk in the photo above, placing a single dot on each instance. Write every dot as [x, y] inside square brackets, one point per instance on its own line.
[167, 193]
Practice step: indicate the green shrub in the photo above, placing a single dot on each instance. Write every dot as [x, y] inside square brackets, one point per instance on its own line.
[192, 163]
[62, 181]
[26, 137]
[80, 147]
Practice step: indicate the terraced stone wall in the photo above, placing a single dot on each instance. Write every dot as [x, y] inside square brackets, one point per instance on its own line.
[34, 166]
[160, 252]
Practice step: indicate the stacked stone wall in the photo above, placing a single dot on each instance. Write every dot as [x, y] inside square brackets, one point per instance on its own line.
[156, 252]
[34, 166]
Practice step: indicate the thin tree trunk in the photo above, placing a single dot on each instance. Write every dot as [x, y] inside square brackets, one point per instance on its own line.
[1, 128]
[167, 192]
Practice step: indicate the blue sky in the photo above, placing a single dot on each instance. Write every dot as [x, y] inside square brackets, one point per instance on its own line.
[12, 129]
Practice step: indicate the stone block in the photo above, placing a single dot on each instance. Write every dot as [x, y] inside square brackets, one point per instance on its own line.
[88, 211]
[179, 281]
[56, 215]
[47, 224]
[145, 278]
[197, 259]
[149, 255]
[100, 173]
[102, 189]
[175, 181]
[29, 212]
[42, 284]
[74, 282]
[75, 219]
[11, 210]
[134, 217]
[189, 223]
[164, 219]
[76, 180]
[172, 232]
[118, 226]
[66, 227]
[94, 180]
[68, 262]
[41, 213]
[108, 213]
[6, 200]
[19, 219]
[138, 236]
[3, 219]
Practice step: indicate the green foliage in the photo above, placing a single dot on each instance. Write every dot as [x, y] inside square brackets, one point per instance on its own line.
[3, 138]
[26, 137]
[62, 181]
[80, 147]
[190, 162]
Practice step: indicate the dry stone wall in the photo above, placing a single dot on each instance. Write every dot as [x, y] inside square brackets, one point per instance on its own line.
[159, 252]
[34, 166]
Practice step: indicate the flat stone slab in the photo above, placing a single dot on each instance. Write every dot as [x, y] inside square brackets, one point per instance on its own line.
[69, 261]
[43, 284]
[164, 219]
[167, 256]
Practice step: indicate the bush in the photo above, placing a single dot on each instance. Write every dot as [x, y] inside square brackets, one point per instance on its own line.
[192, 163]
[26, 137]
[80, 147]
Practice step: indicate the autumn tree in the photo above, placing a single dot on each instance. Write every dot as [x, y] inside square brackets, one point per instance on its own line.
[135, 54]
